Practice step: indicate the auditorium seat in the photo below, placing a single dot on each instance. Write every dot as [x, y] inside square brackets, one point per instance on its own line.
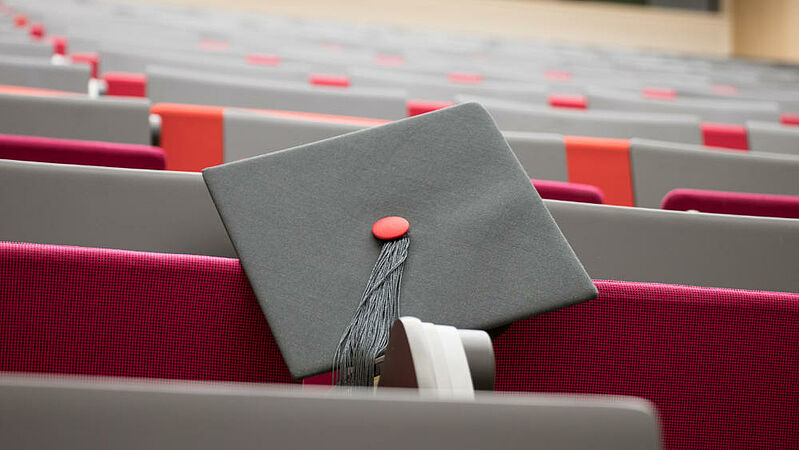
[716, 363]
[73, 116]
[573, 192]
[183, 86]
[40, 73]
[740, 203]
[172, 212]
[659, 167]
[70, 151]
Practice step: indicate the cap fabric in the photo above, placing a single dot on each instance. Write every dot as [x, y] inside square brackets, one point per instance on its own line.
[484, 251]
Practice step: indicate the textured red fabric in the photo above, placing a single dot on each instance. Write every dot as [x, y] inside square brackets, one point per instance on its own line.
[573, 192]
[416, 107]
[125, 84]
[568, 101]
[719, 364]
[724, 135]
[72, 310]
[654, 93]
[329, 79]
[740, 203]
[89, 153]
[789, 119]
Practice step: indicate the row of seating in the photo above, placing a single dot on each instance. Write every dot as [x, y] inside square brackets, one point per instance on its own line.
[127, 270]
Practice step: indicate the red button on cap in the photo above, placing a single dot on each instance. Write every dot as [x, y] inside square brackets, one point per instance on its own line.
[390, 228]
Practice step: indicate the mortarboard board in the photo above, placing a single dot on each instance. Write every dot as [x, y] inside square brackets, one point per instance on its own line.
[482, 250]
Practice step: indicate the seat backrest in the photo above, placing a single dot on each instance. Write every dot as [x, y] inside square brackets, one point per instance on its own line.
[514, 116]
[574, 192]
[718, 364]
[40, 73]
[659, 167]
[186, 86]
[76, 117]
[710, 110]
[695, 353]
[90, 153]
[773, 138]
[53, 412]
[172, 212]
[132, 314]
[741, 203]
[31, 49]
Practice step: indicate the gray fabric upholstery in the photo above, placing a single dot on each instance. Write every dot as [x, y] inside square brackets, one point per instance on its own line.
[63, 204]
[659, 167]
[639, 244]
[773, 138]
[185, 86]
[146, 210]
[512, 116]
[76, 117]
[40, 73]
[542, 155]
[709, 110]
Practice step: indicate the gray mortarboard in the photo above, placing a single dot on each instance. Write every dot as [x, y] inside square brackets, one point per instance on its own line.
[481, 251]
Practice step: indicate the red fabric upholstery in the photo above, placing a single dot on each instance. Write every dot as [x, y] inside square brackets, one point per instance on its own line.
[258, 59]
[125, 84]
[90, 58]
[574, 192]
[654, 93]
[329, 79]
[719, 364]
[725, 136]
[740, 203]
[568, 101]
[89, 153]
[416, 107]
[72, 310]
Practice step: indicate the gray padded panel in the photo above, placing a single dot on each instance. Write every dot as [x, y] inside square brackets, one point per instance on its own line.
[91, 413]
[9, 47]
[659, 167]
[76, 117]
[182, 86]
[130, 209]
[773, 138]
[542, 155]
[40, 73]
[108, 207]
[710, 110]
[513, 116]
[439, 88]
[247, 133]
[638, 244]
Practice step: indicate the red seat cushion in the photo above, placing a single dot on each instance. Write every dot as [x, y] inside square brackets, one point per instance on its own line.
[89, 153]
[741, 203]
[574, 192]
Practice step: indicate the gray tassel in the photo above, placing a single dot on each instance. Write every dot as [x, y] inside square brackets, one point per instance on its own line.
[366, 336]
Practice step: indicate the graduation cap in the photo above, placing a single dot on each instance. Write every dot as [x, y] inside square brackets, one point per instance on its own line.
[430, 216]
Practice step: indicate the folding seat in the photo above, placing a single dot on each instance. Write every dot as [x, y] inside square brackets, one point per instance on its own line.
[659, 167]
[431, 87]
[574, 192]
[137, 61]
[71, 116]
[196, 318]
[514, 116]
[51, 411]
[171, 212]
[40, 73]
[724, 202]
[182, 86]
[70, 151]
[28, 49]
[773, 138]
[723, 111]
